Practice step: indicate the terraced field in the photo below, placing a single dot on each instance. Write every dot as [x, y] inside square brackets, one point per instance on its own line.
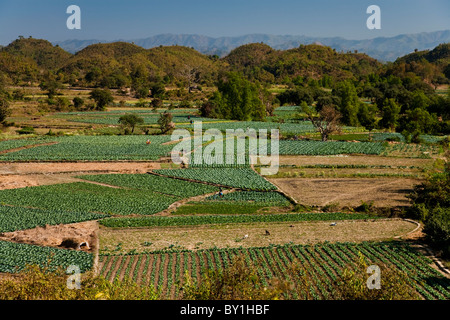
[94, 148]
[326, 262]
[244, 178]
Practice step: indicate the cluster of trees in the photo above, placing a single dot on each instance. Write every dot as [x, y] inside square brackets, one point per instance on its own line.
[406, 105]
[5, 110]
[431, 205]
[237, 99]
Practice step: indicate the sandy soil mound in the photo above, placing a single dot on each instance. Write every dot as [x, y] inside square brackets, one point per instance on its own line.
[61, 236]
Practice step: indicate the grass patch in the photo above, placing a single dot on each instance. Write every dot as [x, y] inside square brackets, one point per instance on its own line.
[216, 208]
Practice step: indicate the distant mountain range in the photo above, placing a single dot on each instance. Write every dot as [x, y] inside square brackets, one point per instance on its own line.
[381, 48]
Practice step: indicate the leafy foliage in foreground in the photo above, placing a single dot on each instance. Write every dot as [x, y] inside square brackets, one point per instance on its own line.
[41, 283]
[324, 271]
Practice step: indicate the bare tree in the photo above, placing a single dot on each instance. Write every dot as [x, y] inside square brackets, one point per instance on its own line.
[326, 121]
[190, 75]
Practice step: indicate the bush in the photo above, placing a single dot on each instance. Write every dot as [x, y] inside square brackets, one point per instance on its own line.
[26, 130]
[240, 281]
[437, 229]
[431, 205]
[38, 283]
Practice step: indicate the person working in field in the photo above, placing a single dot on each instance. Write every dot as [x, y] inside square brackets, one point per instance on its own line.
[148, 141]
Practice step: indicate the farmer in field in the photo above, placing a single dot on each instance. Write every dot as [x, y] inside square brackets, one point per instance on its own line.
[148, 141]
[220, 193]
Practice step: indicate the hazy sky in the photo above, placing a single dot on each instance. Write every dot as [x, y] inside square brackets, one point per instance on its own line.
[131, 19]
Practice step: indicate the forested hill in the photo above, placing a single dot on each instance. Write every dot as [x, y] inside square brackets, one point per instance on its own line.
[120, 64]
[42, 52]
[261, 62]
[381, 48]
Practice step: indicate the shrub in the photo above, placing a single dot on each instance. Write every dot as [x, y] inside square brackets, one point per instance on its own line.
[26, 130]
[240, 281]
[38, 283]
[437, 229]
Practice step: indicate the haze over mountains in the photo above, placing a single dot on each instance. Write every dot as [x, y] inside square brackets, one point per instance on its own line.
[381, 48]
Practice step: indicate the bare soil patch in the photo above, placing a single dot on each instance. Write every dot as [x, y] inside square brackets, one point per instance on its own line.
[20, 175]
[384, 192]
[232, 235]
[53, 236]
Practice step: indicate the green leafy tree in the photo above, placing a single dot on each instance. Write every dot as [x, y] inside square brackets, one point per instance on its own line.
[416, 122]
[158, 90]
[5, 111]
[78, 103]
[390, 114]
[237, 99]
[101, 97]
[349, 102]
[131, 120]
[367, 116]
[156, 103]
[51, 86]
[165, 122]
[431, 205]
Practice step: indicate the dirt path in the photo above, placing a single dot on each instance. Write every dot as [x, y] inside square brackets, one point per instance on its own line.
[28, 147]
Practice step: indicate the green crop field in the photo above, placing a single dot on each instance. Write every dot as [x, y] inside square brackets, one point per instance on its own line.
[316, 148]
[16, 256]
[257, 197]
[232, 177]
[74, 148]
[18, 143]
[20, 218]
[153, 183]
[325, 262]
[89, 197]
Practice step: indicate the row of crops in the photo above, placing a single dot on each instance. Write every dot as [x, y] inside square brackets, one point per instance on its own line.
[20, 218]
[149, 119]
[405, 150]
[87, 197]
[14, 257]
[133, 194]
[257, 197]
[123, 111]
[153, 183]
[19, 143]
[244, 178]
[226, 219]
[315, 148]
[94, 148]
[325, 262]
[215, 154]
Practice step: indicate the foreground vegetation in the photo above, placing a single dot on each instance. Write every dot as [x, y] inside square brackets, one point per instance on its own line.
[310, 271]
